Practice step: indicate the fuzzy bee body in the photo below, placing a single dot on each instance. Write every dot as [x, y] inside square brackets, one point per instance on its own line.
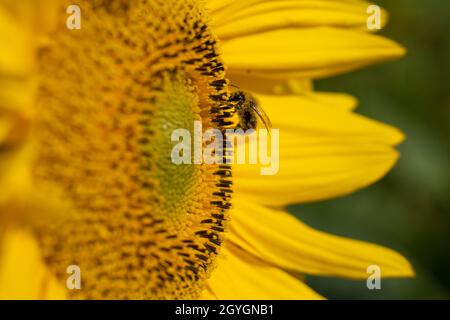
[248, 110]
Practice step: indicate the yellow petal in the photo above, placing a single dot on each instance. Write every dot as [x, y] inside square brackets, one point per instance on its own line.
[215, 5]
[24, 25]
[13, 128]
[315, 114]
[240, 275]
[39, 17]
[308, 52]
[241, 18]
[284, 241]
[208, 294]
[341, 101]
[22, 272]
[5, 128]
[263, 85]
[17, 94]
[324, 152]
[15, 175]
[16, 46]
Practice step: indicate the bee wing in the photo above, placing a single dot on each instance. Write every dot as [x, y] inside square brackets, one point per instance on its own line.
[263, 116]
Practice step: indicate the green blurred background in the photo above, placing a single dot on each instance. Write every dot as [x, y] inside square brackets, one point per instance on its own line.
[409, 209]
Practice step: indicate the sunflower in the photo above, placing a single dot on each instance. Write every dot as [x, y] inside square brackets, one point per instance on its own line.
[86, 177]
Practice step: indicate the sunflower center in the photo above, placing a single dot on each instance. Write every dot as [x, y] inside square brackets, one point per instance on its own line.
[110, 96]
[176, 108]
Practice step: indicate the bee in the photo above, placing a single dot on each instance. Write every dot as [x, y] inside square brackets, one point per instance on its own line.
[248, 110]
